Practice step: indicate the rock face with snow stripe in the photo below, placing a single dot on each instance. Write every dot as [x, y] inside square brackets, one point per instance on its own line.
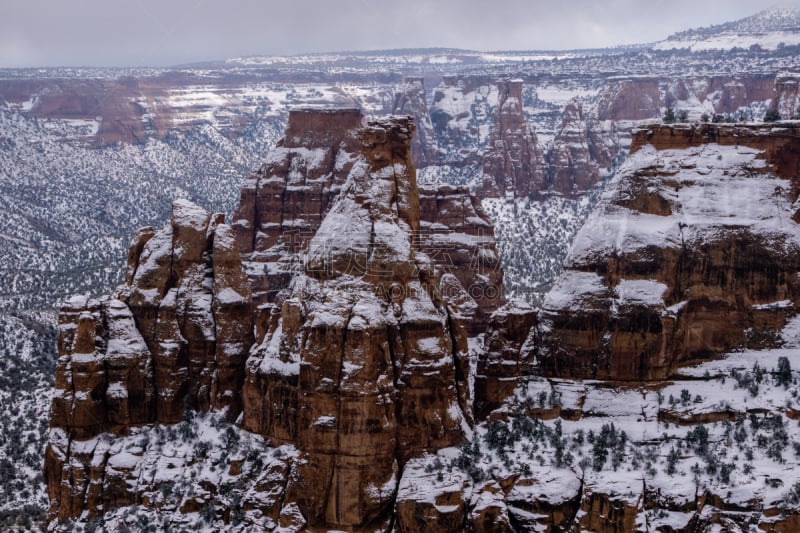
[637, 98]
[410, 99]
[283, 203]
[787, 95]
[363, 351]
[777, 141]
[175, 334]
[513, 162]
[693, 251]
[572, 158]
[458, 237]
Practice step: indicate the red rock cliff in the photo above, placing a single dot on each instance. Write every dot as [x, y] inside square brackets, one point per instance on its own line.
[513, 162]
[629, 99]
[693, 251]
[361, 363]
[571, 166]
[787, 95]
[176, 334]
[283, 203]
[358, 360]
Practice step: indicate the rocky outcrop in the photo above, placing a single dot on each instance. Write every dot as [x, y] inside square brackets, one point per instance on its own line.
[534, 502]
[513, 162]
[358, 353]
[504, 360]
[572, 166]
[604, 513]
[458, 237]
[283, 203]
[430, 501]
[787, 95]
[777, 141]
[175, 335]
[361, 369]
[693, 251]
[636, 98]
[410, 99]
[282, 206]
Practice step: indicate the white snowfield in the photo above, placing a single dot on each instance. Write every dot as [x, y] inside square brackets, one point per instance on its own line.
[770, 29]
[728, 41]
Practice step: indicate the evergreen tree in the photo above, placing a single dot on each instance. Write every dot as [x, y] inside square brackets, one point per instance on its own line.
[783, 376]
[672, 460]
[669, 116]
[772, 115]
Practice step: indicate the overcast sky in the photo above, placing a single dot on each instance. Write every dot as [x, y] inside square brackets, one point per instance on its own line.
[170, 32]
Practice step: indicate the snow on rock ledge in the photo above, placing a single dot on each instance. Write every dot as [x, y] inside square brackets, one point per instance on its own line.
[175, 334]
[693, 239]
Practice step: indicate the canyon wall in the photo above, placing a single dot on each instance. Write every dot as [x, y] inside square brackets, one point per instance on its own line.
[513, 162]
[787, 95]
[174, 337]
[356, 356]
[353, 325]
[410, 99]
[672, 267]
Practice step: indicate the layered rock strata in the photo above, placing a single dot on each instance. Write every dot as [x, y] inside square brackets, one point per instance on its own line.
[787, 95]
[513, 162]
[361, 361]
[174, 336]
[693, 251]
[575, 158]
[283, 203]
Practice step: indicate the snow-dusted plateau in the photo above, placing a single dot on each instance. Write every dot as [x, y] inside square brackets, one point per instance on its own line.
[562, 296]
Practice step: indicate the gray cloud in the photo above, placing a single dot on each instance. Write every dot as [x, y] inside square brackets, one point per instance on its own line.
[169, 32]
